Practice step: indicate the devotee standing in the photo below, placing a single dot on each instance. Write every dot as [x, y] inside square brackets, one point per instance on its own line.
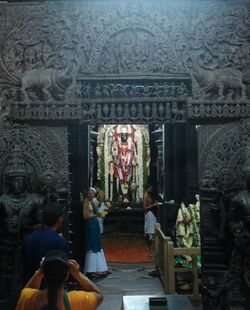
[95, 262]
[150, 206]
[99, 206]
[42, 240]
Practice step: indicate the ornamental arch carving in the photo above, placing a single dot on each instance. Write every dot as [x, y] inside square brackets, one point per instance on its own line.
[45, 153]
[133, 45]
[223, 156]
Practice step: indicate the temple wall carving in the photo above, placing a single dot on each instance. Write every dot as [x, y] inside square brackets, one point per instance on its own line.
[223, 165]
[145, 62]
[223, 154]
[52, 52]
[45, 153]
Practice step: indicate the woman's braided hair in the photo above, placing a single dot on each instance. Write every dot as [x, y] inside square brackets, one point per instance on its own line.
[55, 268]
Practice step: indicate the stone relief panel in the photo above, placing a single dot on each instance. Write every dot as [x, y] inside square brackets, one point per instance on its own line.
[45, 153]
[154, 86]
[223, 167]
[223, 154]
[47, 48]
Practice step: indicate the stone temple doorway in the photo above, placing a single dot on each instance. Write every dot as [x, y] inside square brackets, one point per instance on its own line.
[124, 159]
[172, 169]
[162, 155]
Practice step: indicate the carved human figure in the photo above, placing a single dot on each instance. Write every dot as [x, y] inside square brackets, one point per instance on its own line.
[238, 277]
[123, 161]
[19, 211]
[124, 154]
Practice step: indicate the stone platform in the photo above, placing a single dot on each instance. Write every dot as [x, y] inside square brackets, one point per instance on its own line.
[124, 219]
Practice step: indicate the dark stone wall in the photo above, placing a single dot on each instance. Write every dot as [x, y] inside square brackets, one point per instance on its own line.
[144, 61]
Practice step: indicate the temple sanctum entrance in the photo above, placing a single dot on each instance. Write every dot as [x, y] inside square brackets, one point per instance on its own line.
[121, 168]
[123, 158]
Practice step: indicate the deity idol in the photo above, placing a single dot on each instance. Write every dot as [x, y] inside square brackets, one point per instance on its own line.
[124, 154]
[125, 161]
[19, 211]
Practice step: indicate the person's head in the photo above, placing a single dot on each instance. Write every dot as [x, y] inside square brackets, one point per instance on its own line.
[56, 269]
[124, 134]
[149, 188]
[16, 172]
[17, 184]
[91, 193]
[97, 187]
[53, 215]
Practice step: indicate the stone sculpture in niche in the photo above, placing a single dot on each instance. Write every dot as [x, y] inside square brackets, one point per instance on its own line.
[238, 277]
[19, 212]
[231, 214]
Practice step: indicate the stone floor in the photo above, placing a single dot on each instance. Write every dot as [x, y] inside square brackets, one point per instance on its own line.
[129, 279]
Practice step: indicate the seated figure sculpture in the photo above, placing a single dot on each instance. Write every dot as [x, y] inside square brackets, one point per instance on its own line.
[19, 211]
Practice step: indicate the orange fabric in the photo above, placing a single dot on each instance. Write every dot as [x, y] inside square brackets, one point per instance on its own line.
[78, 300]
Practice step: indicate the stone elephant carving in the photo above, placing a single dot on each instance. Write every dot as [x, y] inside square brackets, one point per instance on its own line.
[47, 83]
[218, 83]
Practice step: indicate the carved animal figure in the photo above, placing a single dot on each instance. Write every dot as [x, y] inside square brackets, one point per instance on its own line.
[220, 82]
[47, 83]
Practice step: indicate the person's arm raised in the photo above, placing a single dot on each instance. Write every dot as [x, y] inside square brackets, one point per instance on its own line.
[84, 281]
[35, 280]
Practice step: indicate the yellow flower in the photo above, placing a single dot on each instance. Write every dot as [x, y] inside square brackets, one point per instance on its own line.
[104, 213]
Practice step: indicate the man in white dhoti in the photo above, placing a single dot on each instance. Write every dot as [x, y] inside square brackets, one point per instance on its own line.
[99, 206]
[95, 262]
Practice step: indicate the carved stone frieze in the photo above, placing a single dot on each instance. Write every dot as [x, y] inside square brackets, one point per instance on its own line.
[124, 109]
[46, 48]
[103, 88]
[221, 111]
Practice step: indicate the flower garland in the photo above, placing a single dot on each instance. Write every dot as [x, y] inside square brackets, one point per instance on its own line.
[194, 211]
[139, 166]
[188, 232]
[184, 231]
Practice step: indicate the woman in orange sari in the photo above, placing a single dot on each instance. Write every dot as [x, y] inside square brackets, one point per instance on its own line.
[55, 270]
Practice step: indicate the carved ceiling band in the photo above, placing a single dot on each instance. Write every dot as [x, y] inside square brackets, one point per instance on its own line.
[136, 99]
[127, 110]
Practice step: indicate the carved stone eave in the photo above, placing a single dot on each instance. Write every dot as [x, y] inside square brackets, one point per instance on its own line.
[220, 111]
[132, 110]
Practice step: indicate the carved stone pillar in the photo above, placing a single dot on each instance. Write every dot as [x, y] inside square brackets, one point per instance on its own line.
[79, 172]
[169, 159]
[158, 134]
[191, 151]
[179, 162]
